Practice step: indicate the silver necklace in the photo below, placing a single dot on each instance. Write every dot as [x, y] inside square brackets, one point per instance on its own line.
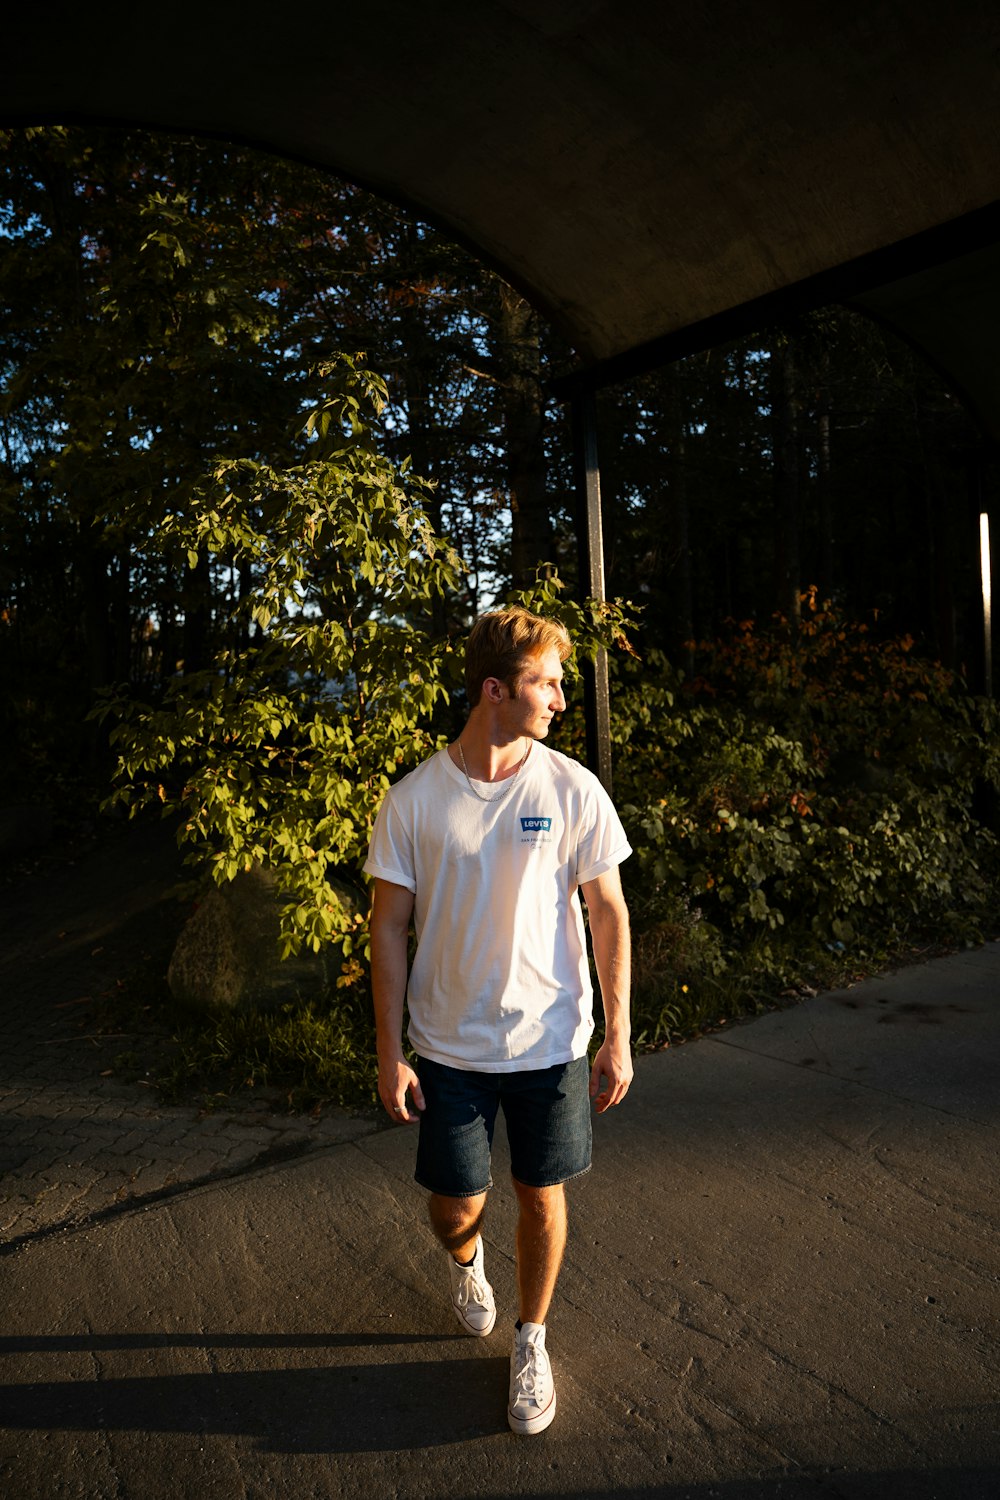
[507, 784]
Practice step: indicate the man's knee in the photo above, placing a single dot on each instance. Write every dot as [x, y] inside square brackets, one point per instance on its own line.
[456, 1220]
[545, 1204]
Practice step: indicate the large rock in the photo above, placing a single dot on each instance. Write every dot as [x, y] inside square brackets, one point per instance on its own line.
[226, 957]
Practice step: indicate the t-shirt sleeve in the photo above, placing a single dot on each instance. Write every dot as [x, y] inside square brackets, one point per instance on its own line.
[390, 853]
[603, 842]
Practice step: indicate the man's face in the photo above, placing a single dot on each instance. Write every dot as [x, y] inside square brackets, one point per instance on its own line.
[539, 695]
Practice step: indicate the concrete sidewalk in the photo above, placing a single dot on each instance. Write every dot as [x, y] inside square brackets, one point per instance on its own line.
[79, 1138]
[782, 1281]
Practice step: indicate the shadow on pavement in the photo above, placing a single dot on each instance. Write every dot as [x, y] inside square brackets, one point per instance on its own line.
[942, 1484]
[367, 1407]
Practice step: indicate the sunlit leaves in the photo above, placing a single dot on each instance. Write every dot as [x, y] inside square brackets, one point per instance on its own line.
[280, 753]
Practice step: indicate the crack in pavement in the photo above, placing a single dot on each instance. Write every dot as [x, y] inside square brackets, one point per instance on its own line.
[272, 1156]
[859, 1083]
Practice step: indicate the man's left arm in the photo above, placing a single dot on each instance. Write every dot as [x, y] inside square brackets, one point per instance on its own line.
[609, 933]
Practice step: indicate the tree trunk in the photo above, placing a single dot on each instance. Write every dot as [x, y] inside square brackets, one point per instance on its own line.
[121, 614]
[197, 603]
[92, 573]
[824, 492]
[416, 374]
[519, 358]
[785, 427]
[678, 580]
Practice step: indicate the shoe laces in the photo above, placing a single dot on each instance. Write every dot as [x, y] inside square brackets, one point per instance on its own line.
[470, 1287]
[531, 1370]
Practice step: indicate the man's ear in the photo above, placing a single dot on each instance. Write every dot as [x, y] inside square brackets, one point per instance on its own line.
[494, 691]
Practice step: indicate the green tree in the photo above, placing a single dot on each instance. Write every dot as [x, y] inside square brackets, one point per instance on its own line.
[142, 332]
[279, 753]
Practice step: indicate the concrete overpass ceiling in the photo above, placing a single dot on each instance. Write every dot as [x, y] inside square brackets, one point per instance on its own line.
[640, 171]
[951, 313]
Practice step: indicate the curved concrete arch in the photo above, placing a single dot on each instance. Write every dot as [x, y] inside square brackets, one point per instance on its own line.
[650, 176]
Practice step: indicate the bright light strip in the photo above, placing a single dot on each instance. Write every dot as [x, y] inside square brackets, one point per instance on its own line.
[984, 555]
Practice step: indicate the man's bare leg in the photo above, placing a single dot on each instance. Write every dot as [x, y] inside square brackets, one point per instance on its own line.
[541, 1240]
[456, 1223]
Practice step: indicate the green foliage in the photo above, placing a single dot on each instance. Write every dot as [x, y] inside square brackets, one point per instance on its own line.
[280, 753]
[280, 599]
[784, 839]
[808, 800]
[311, 1053]
[594, 625]
[165, 300]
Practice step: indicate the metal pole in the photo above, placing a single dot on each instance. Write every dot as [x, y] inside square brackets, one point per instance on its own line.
[984, 567]
[590, 538]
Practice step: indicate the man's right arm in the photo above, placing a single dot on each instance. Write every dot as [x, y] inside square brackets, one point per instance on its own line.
[392, 907]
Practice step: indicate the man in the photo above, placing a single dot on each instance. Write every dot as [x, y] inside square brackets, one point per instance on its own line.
[486, 846]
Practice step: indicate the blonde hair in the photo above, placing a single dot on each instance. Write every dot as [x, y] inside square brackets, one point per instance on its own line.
[500, 642]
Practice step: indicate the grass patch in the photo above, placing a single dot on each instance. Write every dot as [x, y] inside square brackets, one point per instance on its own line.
[321, 1054]
[310, 1055]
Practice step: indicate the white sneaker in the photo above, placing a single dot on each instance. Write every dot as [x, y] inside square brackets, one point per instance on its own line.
[532, 1393]
[472, 1295]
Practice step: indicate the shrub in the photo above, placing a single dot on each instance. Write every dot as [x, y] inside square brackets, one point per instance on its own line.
[280, 753]
[809, 793]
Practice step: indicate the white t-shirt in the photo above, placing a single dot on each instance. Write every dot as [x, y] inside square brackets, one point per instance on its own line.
[500, 980]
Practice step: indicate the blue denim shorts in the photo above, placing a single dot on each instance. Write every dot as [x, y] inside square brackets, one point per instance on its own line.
[546, 1112]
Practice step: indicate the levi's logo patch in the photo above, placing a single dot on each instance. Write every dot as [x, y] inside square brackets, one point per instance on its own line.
[536, 830]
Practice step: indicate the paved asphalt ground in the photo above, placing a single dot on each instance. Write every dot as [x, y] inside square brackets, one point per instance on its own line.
[782, 1278]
